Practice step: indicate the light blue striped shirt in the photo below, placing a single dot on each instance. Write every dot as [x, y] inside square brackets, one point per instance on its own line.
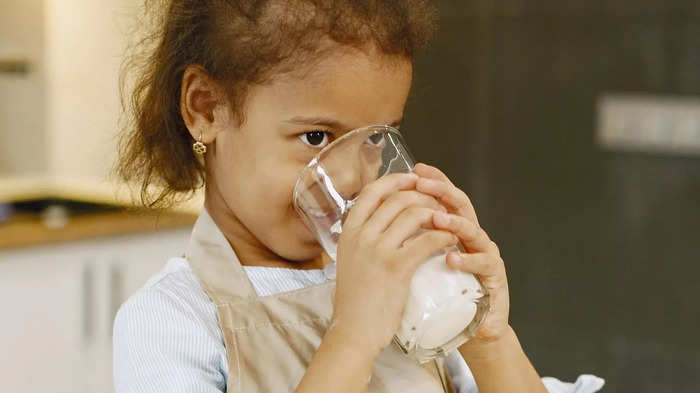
[167, 336]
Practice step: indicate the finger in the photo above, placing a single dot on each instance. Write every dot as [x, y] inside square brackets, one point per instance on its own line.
[372, 195]
[431, 172]
[483, 264]
[417, 250]
[406, 224]
[396, 203]
[452, 197]
[473, 238]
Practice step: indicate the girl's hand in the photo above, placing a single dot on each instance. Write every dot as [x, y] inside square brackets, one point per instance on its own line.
[377, 256]
[482, 257]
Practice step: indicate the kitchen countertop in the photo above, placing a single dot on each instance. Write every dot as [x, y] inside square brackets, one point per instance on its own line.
[119, 215]
[25, 231]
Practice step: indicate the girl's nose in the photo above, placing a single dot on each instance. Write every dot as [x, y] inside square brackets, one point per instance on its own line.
[351, 166]
[348, 178]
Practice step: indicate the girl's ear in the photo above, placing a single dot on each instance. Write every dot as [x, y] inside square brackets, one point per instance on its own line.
[203, 104]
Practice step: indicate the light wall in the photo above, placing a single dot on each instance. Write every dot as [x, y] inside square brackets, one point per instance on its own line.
[84, 45]
[22, 131]
[60, 119]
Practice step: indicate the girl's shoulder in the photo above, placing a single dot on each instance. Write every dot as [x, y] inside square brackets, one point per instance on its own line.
[166, 331]
[171, 299]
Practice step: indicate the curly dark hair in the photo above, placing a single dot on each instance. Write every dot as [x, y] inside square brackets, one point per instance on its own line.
[239, 43]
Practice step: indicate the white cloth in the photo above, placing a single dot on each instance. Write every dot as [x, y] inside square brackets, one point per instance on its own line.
[167, 336]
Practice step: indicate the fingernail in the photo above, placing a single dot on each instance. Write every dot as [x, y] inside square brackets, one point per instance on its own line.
[441, 219]
[454, 258]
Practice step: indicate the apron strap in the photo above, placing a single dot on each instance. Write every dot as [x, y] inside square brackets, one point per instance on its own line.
[215, 263]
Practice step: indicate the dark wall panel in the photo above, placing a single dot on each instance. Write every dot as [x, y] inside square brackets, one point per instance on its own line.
[602, 248]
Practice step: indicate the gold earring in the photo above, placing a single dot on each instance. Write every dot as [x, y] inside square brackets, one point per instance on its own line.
[199, 147]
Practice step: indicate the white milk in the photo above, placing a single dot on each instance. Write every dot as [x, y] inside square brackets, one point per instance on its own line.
[441, 304]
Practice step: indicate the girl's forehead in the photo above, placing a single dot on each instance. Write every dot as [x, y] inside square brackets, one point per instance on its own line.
[349, 90]
[348, 75]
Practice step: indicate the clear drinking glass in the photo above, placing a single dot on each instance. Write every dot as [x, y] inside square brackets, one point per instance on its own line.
[445, 307]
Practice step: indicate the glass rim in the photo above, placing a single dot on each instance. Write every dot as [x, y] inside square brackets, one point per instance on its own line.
[345, 136]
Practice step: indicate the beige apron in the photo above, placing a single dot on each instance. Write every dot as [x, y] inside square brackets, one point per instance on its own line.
[270, 340]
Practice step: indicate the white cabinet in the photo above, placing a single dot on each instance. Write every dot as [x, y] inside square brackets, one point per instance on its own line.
[41, 332]
[58, 303]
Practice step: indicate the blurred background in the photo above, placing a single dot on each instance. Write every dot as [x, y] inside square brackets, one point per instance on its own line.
[574, 127]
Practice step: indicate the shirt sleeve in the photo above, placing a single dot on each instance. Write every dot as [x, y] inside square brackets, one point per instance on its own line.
[163, 344]
[464, 382]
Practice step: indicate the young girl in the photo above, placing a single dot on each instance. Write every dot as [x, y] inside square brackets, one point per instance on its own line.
[239, 95]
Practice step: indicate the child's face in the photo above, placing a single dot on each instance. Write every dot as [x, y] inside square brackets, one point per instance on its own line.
[252, 169]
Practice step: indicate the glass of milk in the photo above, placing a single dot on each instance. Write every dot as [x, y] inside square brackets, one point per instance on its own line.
[445, 307]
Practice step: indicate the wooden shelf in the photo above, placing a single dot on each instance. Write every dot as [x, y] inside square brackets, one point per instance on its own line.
[24, 230]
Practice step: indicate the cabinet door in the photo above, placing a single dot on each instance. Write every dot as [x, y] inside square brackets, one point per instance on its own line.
[58, 305]
[122, 265]
[46, 300]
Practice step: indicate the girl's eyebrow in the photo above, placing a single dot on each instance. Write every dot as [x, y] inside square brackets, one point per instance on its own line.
[328, 122]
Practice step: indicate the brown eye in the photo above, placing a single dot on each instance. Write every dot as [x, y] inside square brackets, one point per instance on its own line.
[315, 138]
